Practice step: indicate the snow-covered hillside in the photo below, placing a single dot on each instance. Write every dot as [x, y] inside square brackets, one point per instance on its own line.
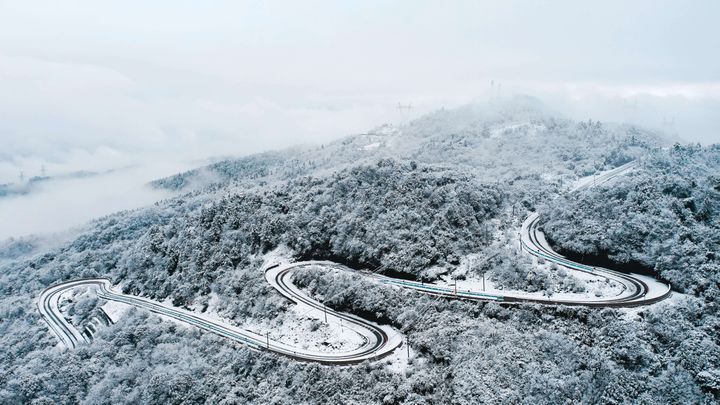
[440, 200]
[499, 141]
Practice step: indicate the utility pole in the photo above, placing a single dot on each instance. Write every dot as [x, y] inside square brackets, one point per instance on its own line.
[520, 242]
[325, 311]
[407, 343]
[483, 276]
[595, 172]
[267, 337]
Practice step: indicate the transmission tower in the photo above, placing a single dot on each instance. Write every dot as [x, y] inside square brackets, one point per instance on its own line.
[402, 108]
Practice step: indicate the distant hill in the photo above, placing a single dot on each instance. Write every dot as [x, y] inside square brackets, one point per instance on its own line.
[27, 187]
[496, 140]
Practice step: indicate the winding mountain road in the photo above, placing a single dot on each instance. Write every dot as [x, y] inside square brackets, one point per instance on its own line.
[377, 341]
[637, 289]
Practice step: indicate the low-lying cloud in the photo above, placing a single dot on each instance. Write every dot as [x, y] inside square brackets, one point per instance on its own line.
[58, 205]
[91, 87]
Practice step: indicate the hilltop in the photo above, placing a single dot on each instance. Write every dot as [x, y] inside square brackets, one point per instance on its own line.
[421, 201]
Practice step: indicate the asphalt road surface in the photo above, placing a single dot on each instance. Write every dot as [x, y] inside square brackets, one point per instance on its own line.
[378, 341]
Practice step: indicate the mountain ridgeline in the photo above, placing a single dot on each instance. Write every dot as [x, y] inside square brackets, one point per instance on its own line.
[500, 142]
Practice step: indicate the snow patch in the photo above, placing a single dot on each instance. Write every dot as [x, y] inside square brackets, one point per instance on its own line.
[531, 129]
[114, 310]
[372, 146]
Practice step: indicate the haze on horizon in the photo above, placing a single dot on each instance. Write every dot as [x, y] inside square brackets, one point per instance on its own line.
[166, 84]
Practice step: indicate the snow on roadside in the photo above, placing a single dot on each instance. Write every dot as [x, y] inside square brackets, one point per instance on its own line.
[675, 299]
[596, 287]
[322, 336]
[297, 327]
[114, 310]
[399, 362]
[307, 333]
[601, 177]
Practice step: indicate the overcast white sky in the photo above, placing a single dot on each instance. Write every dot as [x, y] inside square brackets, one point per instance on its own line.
[98, 84]
[196, 79]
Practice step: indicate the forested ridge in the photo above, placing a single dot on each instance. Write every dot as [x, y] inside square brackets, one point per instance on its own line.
[664, 215]
[418, 201]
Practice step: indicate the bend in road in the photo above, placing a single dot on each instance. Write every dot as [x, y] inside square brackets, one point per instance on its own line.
[378, 341]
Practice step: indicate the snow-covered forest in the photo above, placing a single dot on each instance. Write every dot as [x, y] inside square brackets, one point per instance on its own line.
[664, 216]
[417, 201]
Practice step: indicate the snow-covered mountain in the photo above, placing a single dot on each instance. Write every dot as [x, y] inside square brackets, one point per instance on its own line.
[497, 141]
[441, 199]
